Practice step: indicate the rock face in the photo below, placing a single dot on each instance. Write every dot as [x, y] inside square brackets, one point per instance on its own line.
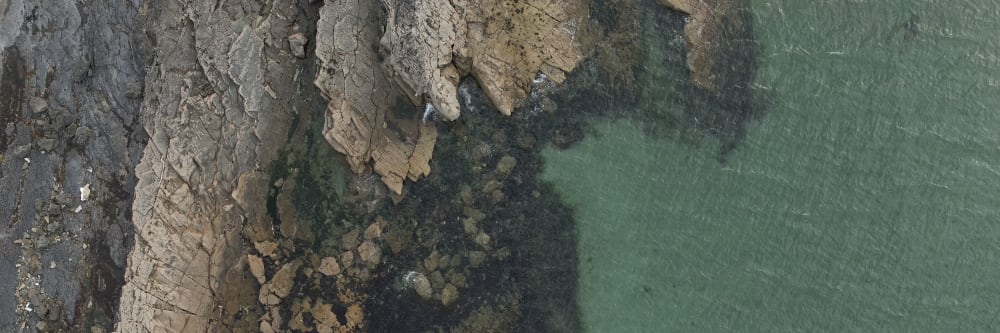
[378, 83]
[70, 90]
[163, 125]
[362, 100]
[221, 92]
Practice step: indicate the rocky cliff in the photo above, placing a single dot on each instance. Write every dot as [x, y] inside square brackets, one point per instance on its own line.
[721, 57]
[389, 68]
[224, 85]
[71, 82]
[154, 153]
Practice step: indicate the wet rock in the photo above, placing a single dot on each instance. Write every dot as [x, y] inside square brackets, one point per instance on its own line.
[329, 266]
[280, 285]
[298, 322]
[347, 258]
[289, 226]
[420, 284]
[373, 231]
[709, 35]
[444, 261]
[449, 294]
[526, 141]
[466, 195]
[476, 258]
[256, 268]
[482, 152]
[297, 44]
[431, 262]
[355, 316]
[491, 185]
[506, 165]
[473, 213]
[437, 280]
[349, 240]
[497, 196]
[548, 105]
[266, 248]
[265, 327]
[483, 239]
[469, 225]
[325, 319]
[455, 277]
[369, 252]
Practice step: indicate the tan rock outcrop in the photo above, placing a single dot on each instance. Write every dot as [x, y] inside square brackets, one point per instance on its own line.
[710, 30]
[378, 82]
[365, 121]
[509, 42]
[221, 92]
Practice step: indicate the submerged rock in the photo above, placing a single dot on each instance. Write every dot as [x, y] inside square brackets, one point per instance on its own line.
[419, 282]
[712, 31]
[449, 294]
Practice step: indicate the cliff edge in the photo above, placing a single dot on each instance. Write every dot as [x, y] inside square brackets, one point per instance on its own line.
[390, 69]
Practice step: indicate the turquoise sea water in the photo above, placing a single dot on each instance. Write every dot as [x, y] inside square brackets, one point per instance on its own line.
[867, 198]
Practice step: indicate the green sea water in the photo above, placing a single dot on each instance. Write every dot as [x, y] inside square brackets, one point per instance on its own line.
[867, 199]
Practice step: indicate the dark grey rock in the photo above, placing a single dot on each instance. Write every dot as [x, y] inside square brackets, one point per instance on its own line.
[63, 64]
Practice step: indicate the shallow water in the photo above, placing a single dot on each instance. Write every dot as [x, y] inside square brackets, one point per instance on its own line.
[866, 199]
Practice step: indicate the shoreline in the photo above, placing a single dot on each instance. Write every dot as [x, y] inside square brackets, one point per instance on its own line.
[242, 222]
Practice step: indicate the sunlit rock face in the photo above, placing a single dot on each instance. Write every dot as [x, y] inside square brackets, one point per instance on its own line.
[382, 63]
[710, 32]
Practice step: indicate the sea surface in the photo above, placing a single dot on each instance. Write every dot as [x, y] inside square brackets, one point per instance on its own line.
[866, 199]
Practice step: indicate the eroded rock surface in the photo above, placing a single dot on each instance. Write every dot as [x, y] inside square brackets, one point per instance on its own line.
[70, 89]
[226, 88]
[715, 32]
[379, 79]
[369, 119]
[222, 90]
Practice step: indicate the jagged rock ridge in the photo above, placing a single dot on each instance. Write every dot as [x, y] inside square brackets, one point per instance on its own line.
[378, 79]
